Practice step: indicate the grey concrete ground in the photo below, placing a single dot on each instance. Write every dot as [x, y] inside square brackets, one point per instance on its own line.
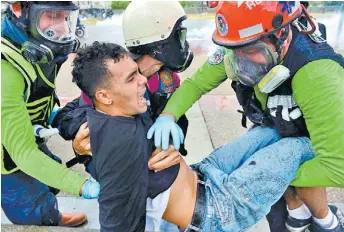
[213, 122]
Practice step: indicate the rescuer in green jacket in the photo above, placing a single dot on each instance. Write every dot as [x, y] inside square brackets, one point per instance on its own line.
[36, 39]
[284, 79]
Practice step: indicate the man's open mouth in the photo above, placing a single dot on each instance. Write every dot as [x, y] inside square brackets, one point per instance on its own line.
[141, 99]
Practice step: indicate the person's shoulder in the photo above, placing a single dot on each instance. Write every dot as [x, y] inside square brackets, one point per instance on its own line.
[8, 68]
[319, 73]
[320, 68]
[11, 77]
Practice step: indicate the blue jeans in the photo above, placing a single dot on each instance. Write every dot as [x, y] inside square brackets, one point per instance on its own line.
[244, 178]
[27, 201]
[165, 226]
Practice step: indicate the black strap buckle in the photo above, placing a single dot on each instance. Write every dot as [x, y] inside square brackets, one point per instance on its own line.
[81, 159]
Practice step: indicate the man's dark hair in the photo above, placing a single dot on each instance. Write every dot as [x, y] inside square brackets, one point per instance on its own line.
[90, 71]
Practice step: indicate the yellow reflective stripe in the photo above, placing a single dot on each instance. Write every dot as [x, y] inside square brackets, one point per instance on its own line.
[38, 101]
[44, 78]
[10, 44]
[20, 60]
[51, 103]
[32, 117]
[46, 111]
[55, 74]
[37, 109]
[42, 120]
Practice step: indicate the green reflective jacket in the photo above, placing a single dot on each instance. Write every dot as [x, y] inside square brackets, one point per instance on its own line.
[17, 134]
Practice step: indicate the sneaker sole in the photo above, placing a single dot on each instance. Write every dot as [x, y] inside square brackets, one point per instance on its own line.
[80, 223]
[299, 229]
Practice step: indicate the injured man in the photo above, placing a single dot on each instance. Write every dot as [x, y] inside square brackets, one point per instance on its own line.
[227, 191]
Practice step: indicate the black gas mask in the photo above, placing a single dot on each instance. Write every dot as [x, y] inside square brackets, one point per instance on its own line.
[50, 27]
[173, 52]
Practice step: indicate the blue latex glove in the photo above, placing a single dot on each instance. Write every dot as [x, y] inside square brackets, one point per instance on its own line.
[163, 126]
[91, 189]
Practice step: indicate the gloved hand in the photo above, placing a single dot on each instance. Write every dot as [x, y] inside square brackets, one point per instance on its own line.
[90, 189]
[163, 126]
[42, 132]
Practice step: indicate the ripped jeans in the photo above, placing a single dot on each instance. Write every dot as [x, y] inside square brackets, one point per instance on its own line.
[244, 178]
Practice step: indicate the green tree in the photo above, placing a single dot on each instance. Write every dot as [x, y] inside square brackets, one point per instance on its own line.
[183, 3]
[326, 3]
[119, 4]
[190, 3]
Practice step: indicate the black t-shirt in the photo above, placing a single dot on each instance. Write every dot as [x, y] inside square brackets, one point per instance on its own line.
[120, 157]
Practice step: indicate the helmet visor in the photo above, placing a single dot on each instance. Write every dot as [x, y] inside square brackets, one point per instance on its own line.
[58, 25]
[181, 34]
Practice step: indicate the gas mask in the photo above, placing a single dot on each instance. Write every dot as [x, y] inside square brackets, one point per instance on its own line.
[249, 64]
[173, 52]
[51, 29]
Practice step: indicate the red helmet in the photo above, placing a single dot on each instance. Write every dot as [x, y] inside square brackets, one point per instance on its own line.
[243, 22]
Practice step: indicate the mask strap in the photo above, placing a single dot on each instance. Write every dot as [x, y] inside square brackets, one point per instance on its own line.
[279, 41]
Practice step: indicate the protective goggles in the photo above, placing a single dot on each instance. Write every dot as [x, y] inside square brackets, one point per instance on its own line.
[181, 36]
[249, 64]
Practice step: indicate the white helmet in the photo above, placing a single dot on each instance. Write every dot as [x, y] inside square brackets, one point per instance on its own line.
[145, 22]
[155, 28]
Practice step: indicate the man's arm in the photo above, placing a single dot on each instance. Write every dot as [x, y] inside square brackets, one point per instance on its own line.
[69, 119]
[159, 160]
[19, 140]
[70, 106]
[318, 90]
[206, 78]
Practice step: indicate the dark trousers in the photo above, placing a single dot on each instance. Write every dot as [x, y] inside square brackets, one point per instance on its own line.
[27, 201]
[277, 216]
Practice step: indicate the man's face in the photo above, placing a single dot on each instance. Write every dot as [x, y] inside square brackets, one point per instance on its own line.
[55, 24]
[127, 88]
